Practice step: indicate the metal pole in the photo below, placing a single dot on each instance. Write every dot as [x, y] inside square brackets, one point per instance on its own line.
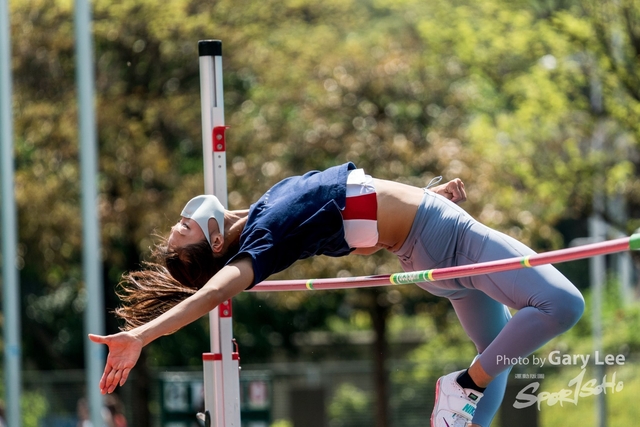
[92, 269]
[222, 365]
[551, 257]
[597, 274]
[10, 277]
[597, 266]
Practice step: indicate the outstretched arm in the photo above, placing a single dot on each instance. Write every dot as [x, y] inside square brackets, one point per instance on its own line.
[125, 347]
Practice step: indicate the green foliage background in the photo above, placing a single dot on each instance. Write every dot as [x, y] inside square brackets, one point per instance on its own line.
[507, 95]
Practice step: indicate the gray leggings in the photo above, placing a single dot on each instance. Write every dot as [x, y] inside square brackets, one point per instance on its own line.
[444, 235]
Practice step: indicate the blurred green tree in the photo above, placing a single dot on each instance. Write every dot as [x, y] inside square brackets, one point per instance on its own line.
[497, 93]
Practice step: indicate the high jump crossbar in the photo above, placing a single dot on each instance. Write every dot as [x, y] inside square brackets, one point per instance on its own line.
[552, 257]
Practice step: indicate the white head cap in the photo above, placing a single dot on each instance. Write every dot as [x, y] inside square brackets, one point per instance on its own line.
[201, 208]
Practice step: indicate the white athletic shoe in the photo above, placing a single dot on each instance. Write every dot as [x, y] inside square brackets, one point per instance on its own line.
[454, 406]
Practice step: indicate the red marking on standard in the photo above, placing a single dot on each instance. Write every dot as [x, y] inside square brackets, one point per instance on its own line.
[224, 309]
[211, 356]
[219, 143]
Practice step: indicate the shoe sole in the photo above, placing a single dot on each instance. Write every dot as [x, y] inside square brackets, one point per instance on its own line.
[435, 404]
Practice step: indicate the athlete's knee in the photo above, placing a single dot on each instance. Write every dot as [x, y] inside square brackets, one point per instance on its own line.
[568, 309]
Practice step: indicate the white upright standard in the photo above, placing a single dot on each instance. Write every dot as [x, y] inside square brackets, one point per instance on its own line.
[221, 366]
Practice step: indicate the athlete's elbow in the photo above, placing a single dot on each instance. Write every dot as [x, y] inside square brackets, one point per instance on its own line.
[227, 283]
[211, 297]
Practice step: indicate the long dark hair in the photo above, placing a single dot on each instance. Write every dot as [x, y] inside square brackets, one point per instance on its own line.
[172, 276]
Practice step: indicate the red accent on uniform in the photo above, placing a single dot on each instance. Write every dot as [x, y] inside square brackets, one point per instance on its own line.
[219, 144]
[361, 207]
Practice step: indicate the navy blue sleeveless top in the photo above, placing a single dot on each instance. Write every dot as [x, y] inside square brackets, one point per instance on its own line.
[297, 218]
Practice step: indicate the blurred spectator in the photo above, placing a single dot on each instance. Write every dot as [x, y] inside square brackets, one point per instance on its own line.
[82, 409]
[116, 411]
[112, 413]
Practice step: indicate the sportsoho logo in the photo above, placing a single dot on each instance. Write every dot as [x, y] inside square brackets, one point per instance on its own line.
[578, 387]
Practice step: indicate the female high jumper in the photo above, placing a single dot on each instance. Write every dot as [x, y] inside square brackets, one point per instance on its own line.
[212, 254]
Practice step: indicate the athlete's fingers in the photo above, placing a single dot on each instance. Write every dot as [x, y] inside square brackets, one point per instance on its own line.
[456, 188]
[125, 376]
[109, 379]
[97, 338]
[112, 380]
[103, 379]
[124, 351]
[108, 369]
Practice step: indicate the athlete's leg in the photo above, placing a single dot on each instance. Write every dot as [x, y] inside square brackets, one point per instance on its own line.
[432, 243]
[490, 403]
[444, 235]
[547, 302]
[482, 319]
[548, 305]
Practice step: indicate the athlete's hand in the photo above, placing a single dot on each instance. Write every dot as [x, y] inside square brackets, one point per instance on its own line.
[452, 190]
[124, 351]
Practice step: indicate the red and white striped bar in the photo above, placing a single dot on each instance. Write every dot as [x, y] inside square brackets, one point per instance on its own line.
[553, 257]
